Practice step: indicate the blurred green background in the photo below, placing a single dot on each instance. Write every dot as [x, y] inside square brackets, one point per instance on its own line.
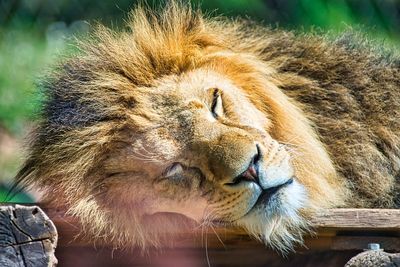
[33, 32]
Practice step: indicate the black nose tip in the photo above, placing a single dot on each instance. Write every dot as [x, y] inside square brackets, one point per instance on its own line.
[251, 173]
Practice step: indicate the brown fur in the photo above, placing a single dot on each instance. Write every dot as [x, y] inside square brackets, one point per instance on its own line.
[114, 117]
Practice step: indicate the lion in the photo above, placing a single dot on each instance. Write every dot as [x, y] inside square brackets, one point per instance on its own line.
[181, 118]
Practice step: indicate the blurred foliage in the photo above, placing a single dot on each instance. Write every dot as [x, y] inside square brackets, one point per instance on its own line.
[22, 53]
[18, 197]
[33, 32]
[383, 15]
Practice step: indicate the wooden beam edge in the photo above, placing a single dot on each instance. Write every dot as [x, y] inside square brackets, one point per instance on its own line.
[334, 229]
[337, 219]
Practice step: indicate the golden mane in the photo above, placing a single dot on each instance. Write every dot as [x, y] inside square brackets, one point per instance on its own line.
[87, 110]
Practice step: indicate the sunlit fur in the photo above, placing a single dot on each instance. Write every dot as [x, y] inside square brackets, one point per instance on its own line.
[119, 114]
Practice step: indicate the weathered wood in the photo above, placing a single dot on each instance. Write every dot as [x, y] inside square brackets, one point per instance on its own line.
[27, 237]
[374, 258]
[358, 219]
[335, 230]
[344, 219]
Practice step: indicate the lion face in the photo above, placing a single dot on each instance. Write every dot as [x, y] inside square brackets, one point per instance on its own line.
[205, 152]
[179, 115]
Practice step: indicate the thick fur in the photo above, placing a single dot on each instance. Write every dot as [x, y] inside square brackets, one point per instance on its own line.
[326, 111]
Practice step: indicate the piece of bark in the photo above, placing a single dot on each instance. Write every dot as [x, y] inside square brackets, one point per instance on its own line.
[27, 237]
[374, 258]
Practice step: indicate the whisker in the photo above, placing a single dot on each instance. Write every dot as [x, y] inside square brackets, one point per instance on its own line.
[208, 258]
[215, 232]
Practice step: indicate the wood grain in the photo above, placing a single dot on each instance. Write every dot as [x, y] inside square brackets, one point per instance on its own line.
[358, 219]
[27, 237]
[334, 229]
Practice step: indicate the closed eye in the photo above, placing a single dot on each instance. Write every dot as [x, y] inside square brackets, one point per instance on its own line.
[216, 107]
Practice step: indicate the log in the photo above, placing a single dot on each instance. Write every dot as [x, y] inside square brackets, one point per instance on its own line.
[374, 258]
[27, 237]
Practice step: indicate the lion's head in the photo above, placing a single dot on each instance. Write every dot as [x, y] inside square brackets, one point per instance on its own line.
[178, 114]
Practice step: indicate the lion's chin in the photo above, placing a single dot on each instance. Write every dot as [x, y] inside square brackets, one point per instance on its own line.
[278, 222]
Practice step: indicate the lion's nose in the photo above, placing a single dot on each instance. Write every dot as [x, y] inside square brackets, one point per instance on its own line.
[251, 173]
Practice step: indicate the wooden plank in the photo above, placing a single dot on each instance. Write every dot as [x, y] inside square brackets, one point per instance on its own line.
[358, 219]
[352, 242]
[27, 237]
[335, 229]
[330, 219]
[238, 257]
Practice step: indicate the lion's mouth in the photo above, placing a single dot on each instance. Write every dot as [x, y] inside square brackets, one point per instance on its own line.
[268, 193]
[263, 199]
